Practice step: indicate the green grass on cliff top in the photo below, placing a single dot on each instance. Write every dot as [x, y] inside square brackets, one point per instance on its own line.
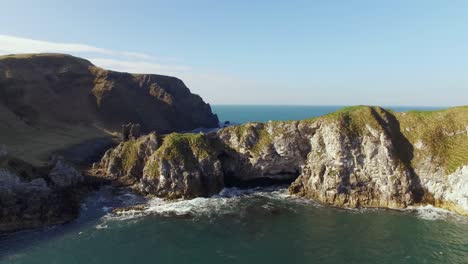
[130, 151]
[264, 139]
[177, 145]
[443, 135]
[356, 118]
[185, 148]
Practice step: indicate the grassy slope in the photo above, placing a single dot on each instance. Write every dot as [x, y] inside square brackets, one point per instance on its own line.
[443, 134]
[51, 94]
[35, 144]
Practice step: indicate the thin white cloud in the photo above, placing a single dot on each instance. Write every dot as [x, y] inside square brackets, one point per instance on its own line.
[138, 66]
[126, 61]
[213, 86]
[13, 44]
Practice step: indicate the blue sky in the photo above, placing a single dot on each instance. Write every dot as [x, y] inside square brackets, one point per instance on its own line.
[264, 52]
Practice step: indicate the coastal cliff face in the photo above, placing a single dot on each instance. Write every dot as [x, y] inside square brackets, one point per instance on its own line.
[65, 101]
[356, 157]
[354, 162]
[41, 88]
[439, 141]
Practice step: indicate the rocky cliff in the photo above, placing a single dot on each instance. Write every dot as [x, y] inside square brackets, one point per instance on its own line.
[32, 196]
[356, 157]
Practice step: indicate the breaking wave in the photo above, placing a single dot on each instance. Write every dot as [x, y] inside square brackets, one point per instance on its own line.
[429, 212]
[228, 201]
[240, 203]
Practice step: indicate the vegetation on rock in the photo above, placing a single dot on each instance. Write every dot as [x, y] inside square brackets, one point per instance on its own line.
[182, 148]
[439, 135]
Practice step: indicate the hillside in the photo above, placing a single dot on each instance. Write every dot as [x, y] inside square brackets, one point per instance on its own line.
[49, 102]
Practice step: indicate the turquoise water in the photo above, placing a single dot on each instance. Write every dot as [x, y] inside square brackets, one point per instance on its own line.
[263, 113]
[262, 225]
[248, 226]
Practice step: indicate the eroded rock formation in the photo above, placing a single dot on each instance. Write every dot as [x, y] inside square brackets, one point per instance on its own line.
[32, 197]
[130, 131]
[356, 157]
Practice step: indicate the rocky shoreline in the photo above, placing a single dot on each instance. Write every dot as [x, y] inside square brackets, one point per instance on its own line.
[356, 157]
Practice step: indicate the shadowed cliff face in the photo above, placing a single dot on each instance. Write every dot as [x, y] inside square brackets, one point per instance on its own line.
[62, 100]
[356, 157]
[52, 87]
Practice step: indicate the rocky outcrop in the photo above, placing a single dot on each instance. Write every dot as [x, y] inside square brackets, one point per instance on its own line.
[356, 157]
[125, 163]
[64, 175]
[355, 163]
[180, 166]
[32, 197]
[130, 131]
[256, 151]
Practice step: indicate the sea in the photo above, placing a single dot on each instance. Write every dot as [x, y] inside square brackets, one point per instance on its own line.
[255, 225]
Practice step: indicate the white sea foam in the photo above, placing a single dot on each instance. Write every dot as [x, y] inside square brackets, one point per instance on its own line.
[99, 226]
[229, 200]
[236, 201]
[429, 212]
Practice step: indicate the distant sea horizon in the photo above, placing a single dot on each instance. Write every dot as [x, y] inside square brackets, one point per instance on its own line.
[242, 113]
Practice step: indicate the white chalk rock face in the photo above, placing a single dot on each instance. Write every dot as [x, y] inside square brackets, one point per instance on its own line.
[451, 191]
[353, 171]
[457, 190]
